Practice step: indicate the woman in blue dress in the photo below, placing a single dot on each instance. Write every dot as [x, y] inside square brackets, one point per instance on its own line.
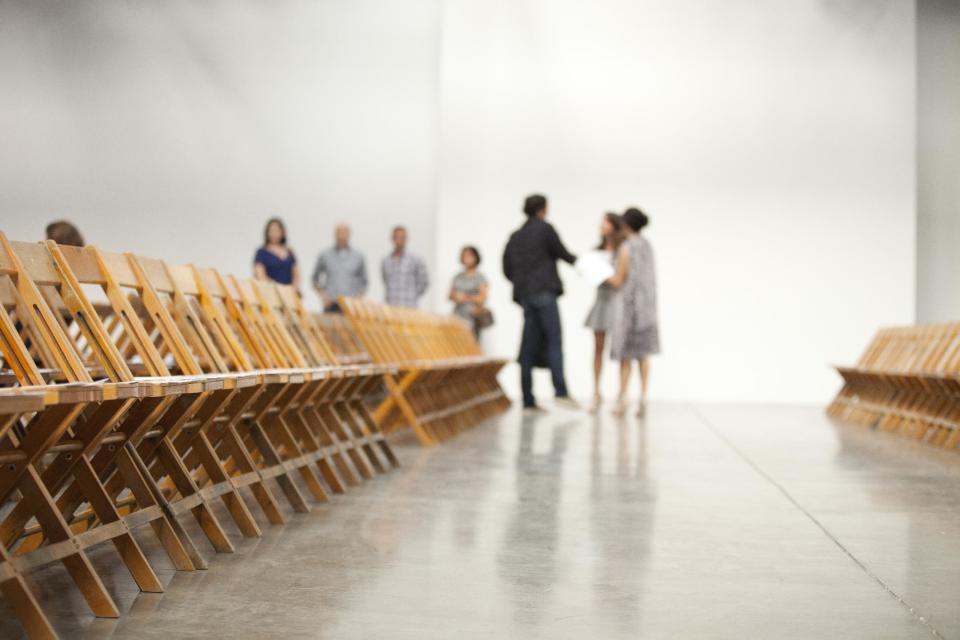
[274, 260]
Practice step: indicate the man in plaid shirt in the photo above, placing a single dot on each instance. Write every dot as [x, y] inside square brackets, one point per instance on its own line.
[404, 274]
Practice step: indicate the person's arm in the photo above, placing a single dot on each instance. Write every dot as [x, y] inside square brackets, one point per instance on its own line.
[363, 277]
[620, 269]
[295, 272]
[423, 280]
[259, 269]
[319, 274]
[507, 267]
[320, 280]
[557, 250]
[481, 298]
[454, 295]
[383, 270]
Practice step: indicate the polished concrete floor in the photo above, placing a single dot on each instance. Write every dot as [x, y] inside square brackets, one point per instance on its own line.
[698, 522]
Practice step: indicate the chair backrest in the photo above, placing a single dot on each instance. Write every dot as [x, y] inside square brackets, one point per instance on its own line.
[396, 335]
[112, 288]
[261, 303]
[917, 349]
[305, 323]
[341, 338]
[60, 320]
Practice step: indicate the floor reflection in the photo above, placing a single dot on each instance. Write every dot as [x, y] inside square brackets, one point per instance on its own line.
[528, 559]
[571, 526]
[621, 520]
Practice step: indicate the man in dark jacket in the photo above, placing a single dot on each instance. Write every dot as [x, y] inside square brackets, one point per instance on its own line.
[530, 263]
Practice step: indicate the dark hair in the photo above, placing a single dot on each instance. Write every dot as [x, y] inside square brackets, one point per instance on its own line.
[472, 249]
[534, 204]
[635, 219]
[63, 232]
[266, 231]
[617, 223]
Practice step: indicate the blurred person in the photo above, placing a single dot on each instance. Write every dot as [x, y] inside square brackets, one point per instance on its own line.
[275, 260]
[530, 263]
[63, 232]
[600, 317]
[341, 271]
[468, 292]
[404, 274]
[635, 334]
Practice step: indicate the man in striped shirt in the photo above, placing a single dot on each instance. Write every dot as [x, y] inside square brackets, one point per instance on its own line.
[404, 274]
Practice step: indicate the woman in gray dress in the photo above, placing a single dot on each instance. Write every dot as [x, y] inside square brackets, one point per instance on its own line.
[600, 317]
[468, 291]
[635, 334]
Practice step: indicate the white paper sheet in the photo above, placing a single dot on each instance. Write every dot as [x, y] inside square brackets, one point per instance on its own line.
[595, 267]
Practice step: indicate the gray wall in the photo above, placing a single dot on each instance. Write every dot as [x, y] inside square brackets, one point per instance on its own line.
[177, 128]
[938, 160]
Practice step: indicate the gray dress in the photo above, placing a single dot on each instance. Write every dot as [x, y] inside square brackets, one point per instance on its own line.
[600, 317]
[635, 334]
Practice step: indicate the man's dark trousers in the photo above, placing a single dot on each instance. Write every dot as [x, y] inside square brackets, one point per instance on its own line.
[541, 324]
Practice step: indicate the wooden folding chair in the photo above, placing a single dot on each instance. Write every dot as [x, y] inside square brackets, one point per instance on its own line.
[175, 445]
[319, 407]
[364, 378]
[907, 381]
[12, 583]
[268, 347]
[444, 385]
[52, 457]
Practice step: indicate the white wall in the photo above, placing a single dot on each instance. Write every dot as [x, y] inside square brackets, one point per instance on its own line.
[177, 128]
[938, 161]
[771, 143]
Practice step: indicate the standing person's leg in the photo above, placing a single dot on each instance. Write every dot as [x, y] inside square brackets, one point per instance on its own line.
[644, 378]
[599, 338]
[621, 407]
[528, 353]
[550, 323]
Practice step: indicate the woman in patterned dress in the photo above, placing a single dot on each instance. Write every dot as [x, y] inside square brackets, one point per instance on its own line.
[635, 334]
[600, 317]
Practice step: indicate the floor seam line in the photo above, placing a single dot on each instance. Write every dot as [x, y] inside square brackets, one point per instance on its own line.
[783, 491]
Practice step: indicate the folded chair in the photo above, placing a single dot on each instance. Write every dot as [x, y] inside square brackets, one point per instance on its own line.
[443, 384]
[908, 382]
[55, 503]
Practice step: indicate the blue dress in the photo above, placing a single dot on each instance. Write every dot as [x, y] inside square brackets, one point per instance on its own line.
[278, 269]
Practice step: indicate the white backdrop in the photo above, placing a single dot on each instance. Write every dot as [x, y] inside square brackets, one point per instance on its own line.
[771, 143]
[178, 128]
[938, 161]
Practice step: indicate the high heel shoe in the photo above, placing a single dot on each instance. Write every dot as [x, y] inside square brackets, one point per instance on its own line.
[620, 409]
[596, 404]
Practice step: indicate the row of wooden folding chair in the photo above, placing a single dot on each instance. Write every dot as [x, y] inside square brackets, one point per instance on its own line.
[908, 382]
[344, 342]
[444, 384]
[162, 389]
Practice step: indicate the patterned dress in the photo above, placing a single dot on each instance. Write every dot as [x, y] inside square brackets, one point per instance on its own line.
[635, 334]
[469, 284]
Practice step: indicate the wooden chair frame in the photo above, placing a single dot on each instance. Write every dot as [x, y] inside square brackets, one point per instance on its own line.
[907, 381]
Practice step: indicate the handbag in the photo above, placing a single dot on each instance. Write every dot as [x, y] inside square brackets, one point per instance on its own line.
[482, 318]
